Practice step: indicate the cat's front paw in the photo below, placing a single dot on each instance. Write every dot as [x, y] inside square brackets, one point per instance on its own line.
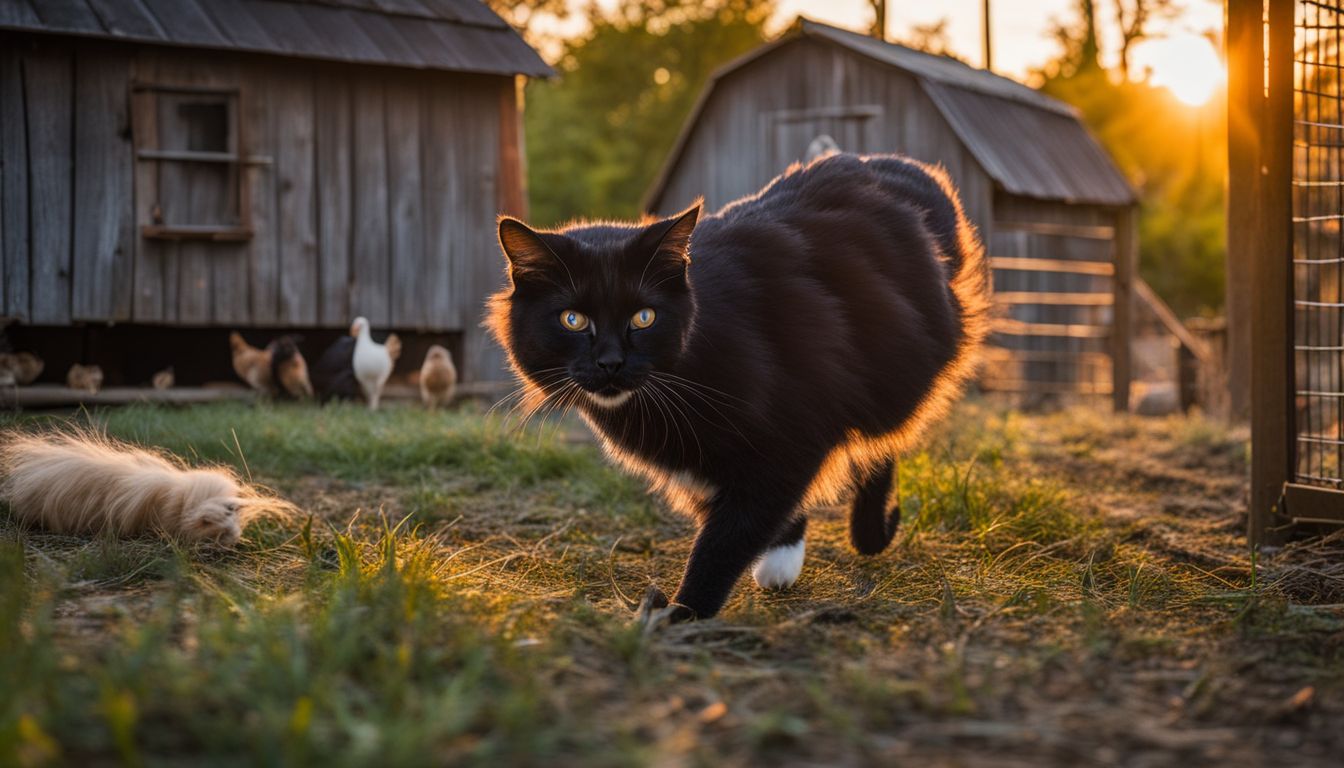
[655, 609]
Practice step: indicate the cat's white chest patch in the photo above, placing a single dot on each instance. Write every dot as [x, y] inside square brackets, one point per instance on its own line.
[779, 567]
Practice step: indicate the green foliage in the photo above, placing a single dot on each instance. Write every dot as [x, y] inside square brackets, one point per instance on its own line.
[1174, 154]
[597, 135]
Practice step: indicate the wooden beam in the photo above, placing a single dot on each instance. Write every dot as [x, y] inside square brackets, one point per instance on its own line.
[1019, 328]
[1053, 265]
[1122, 316]
[512, 188]
[1055, 299]
[1084, 231]
[1310, 504]
[1271, 278]
[1245, 109]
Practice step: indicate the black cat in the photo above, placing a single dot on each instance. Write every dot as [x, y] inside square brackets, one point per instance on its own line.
[769, 357]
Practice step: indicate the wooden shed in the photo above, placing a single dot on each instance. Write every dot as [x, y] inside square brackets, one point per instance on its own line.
[205, 165]
[1056, 214]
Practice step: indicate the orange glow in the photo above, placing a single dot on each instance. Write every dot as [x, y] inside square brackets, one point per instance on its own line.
[1185, 64]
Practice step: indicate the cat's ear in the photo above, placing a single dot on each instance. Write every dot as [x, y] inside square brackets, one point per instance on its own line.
[526, 251]
[674, 235]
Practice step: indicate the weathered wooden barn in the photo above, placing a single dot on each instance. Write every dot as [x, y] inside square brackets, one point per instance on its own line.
[1056, 214]
[207, 165]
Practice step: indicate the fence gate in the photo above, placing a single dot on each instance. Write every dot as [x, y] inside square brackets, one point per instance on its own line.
[1286, 213]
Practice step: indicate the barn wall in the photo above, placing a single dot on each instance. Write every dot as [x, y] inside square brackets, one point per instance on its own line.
[732, 150]
[368, 191]
[1062, 343]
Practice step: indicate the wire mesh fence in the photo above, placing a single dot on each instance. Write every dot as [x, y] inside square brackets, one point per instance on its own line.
[1318, 247]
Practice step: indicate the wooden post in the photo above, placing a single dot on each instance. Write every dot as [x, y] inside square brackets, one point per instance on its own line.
[1271, 280]
[989, 47]
[1122, 321]
[1245, 110]
[512, 189]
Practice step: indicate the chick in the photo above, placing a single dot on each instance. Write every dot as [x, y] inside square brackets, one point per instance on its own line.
[438, 377]
[163, 379]
[88, 378]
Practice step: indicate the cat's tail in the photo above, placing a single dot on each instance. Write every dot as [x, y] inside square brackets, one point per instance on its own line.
[80, 482]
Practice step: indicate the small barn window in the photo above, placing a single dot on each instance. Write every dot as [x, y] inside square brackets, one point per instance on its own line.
[190, 153]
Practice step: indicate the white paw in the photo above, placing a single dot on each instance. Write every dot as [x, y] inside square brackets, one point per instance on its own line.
[778, 568]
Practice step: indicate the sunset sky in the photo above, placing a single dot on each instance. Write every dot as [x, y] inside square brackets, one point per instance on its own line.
[1021, 28]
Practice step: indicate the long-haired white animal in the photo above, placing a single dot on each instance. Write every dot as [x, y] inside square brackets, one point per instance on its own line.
[79, 482]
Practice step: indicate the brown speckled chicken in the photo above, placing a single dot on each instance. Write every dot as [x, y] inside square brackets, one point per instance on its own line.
[251, 364]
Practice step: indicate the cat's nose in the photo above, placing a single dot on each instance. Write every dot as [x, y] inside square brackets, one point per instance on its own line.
[610, 362]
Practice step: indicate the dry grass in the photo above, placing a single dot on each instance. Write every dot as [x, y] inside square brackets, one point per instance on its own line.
[1067, 589]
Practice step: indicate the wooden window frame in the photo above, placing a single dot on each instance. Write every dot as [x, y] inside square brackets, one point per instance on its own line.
[145, 99]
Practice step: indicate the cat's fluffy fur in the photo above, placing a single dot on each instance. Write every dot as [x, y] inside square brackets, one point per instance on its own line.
[804, 337]
[84, 483]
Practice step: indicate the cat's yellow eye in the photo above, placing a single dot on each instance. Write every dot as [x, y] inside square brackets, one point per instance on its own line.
[643, 318]
[574, 321]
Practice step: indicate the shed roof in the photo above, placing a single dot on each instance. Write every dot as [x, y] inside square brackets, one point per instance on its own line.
[448, 35]
[1029, 143]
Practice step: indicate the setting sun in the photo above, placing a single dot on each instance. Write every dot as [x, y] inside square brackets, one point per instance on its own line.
[1185, 64]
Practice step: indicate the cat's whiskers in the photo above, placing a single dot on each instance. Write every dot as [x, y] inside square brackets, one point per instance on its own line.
[664, 393]
[545, 401]
[520, 393]
[669, 384]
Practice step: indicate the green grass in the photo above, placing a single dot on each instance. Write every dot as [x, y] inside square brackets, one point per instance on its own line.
[446, 597]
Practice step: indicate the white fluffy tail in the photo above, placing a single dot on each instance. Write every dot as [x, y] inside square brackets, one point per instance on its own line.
[80, 482]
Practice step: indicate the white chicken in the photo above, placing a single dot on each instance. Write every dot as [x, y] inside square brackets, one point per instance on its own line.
[372, 362]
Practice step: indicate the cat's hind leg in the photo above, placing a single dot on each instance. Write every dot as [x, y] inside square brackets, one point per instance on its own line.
[871, 525]
[782, 563]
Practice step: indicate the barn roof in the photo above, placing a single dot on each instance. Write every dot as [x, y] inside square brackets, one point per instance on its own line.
[449, 35]
[1029, 143]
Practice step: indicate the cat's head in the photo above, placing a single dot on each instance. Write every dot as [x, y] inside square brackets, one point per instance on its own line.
[596, 308]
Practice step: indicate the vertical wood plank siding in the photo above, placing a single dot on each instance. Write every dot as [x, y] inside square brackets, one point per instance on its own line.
[411, 272]
[372, 276]
[334, 211]
[367, 191]
[48, 85]
[13, 183]
[296, 197]
[104, 243]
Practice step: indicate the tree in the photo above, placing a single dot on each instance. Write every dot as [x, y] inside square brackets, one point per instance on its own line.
[1132, 17]
[931, 38]
[597, 135]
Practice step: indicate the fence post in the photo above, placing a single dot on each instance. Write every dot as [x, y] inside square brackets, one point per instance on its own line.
[1122, 321]
[1271, 280]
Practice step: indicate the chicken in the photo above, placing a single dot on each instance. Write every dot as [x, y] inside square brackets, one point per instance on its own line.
[289, 371]
[163, 379]
[24, 367]
[372, 362]
[334, 372]
[251, 364]
[88, 378]
[438, 377]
